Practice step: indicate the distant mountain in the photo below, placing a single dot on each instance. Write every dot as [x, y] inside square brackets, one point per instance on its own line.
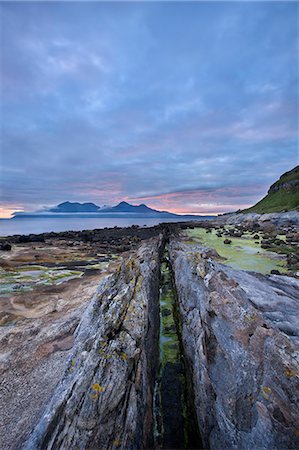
[75, 207]
[283, 195]
[67, 208]
[83, 208]
[123, 209]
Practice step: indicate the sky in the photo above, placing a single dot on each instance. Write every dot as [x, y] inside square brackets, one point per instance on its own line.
[190, 107]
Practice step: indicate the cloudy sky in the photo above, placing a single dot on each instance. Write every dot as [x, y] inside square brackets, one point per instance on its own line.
[190, 107]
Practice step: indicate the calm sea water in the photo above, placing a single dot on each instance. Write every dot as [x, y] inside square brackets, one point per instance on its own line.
[9, 227]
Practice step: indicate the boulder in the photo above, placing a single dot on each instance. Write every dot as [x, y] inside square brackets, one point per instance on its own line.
[5, 247]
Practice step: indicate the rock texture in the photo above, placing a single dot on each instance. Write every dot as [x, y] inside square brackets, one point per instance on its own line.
[240, 334]
[277, 219]
[78, 371]
[287, 181]
[34, 349]
[104, 399]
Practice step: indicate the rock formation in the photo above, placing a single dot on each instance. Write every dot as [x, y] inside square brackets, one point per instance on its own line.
[93, 378]
[240, 335]
[104, 399]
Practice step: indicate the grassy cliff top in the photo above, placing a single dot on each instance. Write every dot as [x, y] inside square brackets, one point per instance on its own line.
[283, 195]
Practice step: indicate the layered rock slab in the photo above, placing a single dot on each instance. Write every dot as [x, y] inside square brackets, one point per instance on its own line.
[240, 336]
[104, 399]
[33, 352]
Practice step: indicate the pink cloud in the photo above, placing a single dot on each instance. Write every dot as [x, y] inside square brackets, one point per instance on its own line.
[212, 201]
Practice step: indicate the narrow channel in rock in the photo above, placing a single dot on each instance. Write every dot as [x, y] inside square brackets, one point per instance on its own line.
[175, 421]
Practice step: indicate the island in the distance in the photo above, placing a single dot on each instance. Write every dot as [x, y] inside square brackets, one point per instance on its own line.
[123, 209]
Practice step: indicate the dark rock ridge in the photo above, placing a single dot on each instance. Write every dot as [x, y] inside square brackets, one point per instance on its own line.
[289, 181]
[105, 397]
[240, 334]
[109, 235]
[288, 185]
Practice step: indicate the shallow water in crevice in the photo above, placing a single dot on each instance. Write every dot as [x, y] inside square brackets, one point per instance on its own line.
[175, 422]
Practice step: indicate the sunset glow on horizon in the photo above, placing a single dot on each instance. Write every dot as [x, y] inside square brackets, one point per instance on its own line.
[6, 213]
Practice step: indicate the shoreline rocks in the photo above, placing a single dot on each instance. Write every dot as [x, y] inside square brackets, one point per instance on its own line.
[277, 219]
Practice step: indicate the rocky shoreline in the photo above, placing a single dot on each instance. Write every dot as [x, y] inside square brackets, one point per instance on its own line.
[79, 370]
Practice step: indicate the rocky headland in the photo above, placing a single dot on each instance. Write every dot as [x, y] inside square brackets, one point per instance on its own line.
[181, 335]
[282, 196]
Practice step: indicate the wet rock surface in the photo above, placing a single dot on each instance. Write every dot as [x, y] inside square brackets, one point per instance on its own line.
[171, 402]
[174, 415]
[105, 397]
[240, 333]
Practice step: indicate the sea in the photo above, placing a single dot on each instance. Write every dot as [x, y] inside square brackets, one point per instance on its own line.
[36, 225]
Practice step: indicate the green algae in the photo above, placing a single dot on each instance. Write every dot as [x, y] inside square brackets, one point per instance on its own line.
[243, 253]
[169, 341]
[24, 279]
[173, 388]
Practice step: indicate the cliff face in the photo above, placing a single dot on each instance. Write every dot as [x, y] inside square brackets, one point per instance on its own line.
[288, 181]
[240, 336]
[283, 195]
[104, 399]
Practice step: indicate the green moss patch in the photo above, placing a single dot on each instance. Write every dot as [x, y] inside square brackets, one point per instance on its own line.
[243, 253]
